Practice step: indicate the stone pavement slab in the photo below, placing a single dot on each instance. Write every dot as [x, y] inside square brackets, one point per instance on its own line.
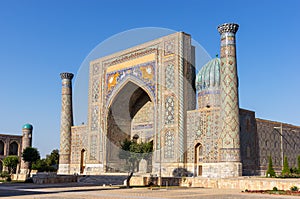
[74, 191]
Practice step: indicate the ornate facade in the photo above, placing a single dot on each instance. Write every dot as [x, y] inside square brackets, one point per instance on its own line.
[151, 92]
[14, 145]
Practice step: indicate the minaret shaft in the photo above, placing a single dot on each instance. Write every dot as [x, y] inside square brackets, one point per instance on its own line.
[230, 140]
[26, 142]
[66, 123]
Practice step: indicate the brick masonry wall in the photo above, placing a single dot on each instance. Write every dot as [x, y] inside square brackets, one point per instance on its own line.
[270, 143]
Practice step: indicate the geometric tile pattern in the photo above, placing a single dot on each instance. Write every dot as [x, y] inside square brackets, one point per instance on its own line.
[169, 110]
[95, 90]
[169, 47]
[169, 73]
[66, 118]
[93, 147]
[79, 142]
[95, 120]
[203, 128]
[230, 149]
[169, 144]
[96, 68]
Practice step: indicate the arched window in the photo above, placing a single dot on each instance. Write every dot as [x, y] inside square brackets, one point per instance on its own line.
[198, 153]
[13, 148]
[1, 147]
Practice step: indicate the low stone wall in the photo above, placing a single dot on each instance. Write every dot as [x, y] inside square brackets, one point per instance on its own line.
[145, 181]
[53, 178]
[21, 177]
[242, 183]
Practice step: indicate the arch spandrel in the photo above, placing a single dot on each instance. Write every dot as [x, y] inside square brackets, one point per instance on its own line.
[144, 75]
[139, 83]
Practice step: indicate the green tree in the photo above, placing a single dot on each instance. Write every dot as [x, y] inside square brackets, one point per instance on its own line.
[133, 153]
[270, 172]
[53, 158]
[11, 163]
[286, 170]
[30, 155]
[43, 166]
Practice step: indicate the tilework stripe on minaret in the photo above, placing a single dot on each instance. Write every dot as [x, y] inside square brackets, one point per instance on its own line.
[230, 144]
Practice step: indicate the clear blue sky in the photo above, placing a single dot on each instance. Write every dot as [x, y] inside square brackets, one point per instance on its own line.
[40, 39]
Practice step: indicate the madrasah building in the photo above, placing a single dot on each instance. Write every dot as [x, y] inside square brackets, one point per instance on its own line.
[152, 93]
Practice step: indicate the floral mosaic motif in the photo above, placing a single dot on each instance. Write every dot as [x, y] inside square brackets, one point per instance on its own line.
[169, 47]
[169, 144]
[94, 123]
[95, 91]
[169, 110]
[169, 76]
[144, 72]
[96, 68]
[93, 147]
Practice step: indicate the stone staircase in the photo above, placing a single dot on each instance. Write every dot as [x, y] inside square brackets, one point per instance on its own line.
[102, 179]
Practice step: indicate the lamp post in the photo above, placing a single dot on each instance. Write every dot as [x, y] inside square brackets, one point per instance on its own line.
[281, 141]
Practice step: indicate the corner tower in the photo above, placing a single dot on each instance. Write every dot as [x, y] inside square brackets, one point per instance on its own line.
[26, 142]
[66, 123]
[229, 138]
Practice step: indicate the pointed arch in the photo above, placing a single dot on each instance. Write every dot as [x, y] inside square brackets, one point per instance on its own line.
[123, 83]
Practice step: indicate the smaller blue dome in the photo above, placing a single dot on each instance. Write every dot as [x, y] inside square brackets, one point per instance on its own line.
[27, 126]
[209, 75]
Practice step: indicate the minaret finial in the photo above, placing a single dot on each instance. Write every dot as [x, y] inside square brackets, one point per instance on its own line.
[228, 27]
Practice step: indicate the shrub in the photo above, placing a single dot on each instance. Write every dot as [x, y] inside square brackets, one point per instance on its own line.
[5, 175]
[294, 188]
[286, 170]
[270, 172]
[275, 189]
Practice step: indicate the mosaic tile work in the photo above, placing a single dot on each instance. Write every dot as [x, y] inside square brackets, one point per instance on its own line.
[203, 127]
[79, 141]
[96, 68]
[95, 91]
[144, 72]
[169, 149]
[66, 118]
[230, 150]
[149, 90]
[95, 118]
[169, 47]
[169, 76]
[169, 107]
[93, 147]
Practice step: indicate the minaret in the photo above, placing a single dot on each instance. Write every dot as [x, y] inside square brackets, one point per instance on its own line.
[66, 123]
[26, 142]
[229, 139]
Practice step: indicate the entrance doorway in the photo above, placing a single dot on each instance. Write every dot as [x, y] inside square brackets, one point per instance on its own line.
[130, 114]
[82, 161]
[198, 159]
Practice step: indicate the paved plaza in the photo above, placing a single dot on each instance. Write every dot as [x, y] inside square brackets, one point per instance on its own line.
[76, 191]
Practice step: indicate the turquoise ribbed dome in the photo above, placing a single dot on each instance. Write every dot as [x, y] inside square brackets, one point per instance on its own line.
[209, 75]
[27, 126]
